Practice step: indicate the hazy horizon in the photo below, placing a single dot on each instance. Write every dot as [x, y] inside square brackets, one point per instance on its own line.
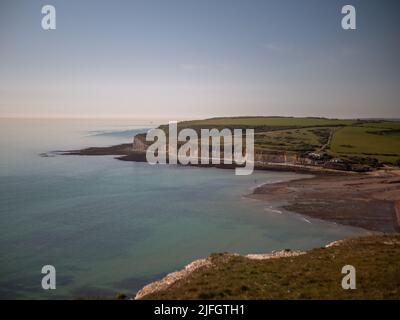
[166, 118]
[199, 59]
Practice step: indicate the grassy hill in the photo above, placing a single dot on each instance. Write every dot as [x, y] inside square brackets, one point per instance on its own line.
[380, 141]
[358, 141]
[269, 121]
[315, 275]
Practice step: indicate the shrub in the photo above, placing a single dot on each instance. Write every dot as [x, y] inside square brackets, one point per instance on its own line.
[120, 296]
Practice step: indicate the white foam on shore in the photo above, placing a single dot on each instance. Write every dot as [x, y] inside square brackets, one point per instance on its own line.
[306, 220]
[273, 210]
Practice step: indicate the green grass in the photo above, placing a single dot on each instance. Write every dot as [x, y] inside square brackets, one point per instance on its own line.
[366, 141]
[394, 125]
[316, 275]
[358, 141]
[300, 140]
[269, 121]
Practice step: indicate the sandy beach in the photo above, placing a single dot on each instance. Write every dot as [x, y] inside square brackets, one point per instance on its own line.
[369, 201]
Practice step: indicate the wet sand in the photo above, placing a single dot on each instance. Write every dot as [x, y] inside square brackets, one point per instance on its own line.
[370, 201]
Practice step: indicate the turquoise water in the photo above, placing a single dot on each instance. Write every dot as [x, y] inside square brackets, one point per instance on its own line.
[111, 226]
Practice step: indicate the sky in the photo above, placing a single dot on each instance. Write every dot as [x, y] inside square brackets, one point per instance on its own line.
[199, 58]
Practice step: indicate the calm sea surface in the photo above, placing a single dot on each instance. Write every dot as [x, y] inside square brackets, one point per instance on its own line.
[110, 226]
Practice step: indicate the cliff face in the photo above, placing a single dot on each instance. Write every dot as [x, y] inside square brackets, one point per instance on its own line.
[275, 160]
[280, 157]
[207, 263]
[139, 144]
[315, 274]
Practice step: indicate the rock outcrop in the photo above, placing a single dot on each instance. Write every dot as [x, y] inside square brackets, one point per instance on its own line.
[173, 277]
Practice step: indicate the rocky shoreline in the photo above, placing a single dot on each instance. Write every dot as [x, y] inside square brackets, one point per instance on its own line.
[136, 152]
[315, 274]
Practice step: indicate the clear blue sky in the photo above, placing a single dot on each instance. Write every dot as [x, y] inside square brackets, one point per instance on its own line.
[200, 58]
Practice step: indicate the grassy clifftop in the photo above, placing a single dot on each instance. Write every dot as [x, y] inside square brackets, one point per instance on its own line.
[352, 140]
[315, 275]
[270, 121]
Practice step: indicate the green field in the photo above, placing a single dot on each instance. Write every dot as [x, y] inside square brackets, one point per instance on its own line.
[269, 121]
[352, 140]
[386, 125]
[367, 141]
[297, 140]
[315, 275]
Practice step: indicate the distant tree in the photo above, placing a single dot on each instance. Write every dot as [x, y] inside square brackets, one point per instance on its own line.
[397, 162]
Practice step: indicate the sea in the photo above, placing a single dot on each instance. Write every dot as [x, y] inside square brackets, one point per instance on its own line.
[110, 226]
